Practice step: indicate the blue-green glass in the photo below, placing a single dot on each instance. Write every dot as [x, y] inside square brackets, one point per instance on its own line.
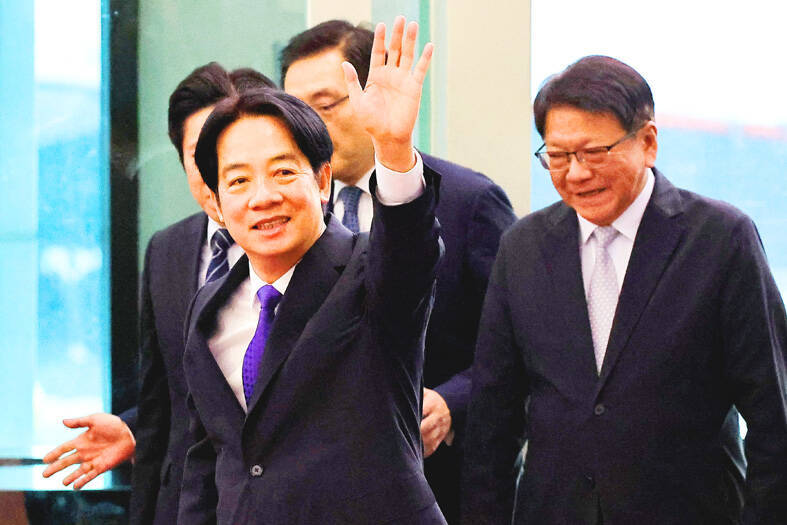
[54, 240]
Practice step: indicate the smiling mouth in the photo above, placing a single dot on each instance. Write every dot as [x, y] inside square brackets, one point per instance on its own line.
[271, 224]
[591, 193]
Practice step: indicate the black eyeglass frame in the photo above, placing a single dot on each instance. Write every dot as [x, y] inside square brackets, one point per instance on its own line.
[544, 156]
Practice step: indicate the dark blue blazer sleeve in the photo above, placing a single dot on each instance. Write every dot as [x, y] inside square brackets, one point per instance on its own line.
[488, 217]
[755, 347]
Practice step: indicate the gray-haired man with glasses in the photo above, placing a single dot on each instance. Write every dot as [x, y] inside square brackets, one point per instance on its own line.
[621, 328]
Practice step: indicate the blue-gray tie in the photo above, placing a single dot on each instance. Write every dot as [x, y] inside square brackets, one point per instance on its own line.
[350, 196]
[220, 243]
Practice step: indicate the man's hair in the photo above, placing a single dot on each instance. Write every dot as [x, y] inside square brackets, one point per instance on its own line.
[306, 127]
[204, 87]
[355, 43]
[597, 84]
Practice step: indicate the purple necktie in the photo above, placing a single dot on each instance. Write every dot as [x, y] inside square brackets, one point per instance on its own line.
[269, 297]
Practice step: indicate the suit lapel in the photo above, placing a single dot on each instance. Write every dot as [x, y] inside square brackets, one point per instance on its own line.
[561, 255]
[182, 266]
[212, 383]
[313, 279]
[195, 236]
[657, 238]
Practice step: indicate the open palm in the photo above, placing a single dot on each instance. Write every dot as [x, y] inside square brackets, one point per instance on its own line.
[388, 105]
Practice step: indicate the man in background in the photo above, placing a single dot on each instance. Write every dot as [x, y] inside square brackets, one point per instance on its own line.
[472, 211]
[620, 327]
[178, 261]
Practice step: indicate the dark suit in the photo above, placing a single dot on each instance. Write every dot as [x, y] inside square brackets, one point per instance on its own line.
[169, 282]
[473, 213]
[332, 431]
[699, 326]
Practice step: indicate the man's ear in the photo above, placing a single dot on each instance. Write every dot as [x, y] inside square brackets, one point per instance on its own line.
[213, 208]
[324, 182]
[651, 143]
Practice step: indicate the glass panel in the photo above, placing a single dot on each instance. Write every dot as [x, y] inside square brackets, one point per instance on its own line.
[54, 215]
[176, 37]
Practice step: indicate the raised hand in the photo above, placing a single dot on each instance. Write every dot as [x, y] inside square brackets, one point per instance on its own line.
[105, 444]
[388, 105]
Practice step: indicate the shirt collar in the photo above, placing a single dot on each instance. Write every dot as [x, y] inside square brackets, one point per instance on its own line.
[627, 223]
[280, 284]
[363, 184]
[213, 227]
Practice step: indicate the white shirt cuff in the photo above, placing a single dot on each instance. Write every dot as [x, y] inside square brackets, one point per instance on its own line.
[395, 188]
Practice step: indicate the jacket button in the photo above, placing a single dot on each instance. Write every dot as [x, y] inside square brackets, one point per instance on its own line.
[256, 471]
[599, 409]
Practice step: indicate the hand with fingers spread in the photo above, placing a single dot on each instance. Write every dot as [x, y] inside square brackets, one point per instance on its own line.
[105, 444]
[388, 105]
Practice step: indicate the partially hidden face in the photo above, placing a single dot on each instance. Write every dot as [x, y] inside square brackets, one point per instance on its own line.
[318, 80]
[268, 195]
[199, 190]
[600, 194]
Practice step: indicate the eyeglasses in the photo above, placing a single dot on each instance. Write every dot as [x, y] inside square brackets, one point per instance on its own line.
[559, 161]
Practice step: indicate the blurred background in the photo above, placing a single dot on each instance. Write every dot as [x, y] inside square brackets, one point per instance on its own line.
[88, 173]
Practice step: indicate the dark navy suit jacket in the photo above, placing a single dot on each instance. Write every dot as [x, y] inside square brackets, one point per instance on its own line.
[473, 212]
[332, 433]
[700, 326]
[169, 282]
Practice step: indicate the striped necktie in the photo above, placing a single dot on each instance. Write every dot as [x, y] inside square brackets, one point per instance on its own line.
[219, 265]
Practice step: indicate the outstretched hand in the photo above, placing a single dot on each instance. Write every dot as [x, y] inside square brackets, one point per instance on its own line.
[105, 444]
[388, 104]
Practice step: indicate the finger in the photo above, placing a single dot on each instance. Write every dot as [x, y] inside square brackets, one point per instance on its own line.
[429, 407]
[58, 451]
[53, 469]
[83, 469]
[428, 424]
[64, 462]
[395, 47]
[87, 478]
[408, 48]
[77, 422]
[423, 63]
[430, 445]
[353, 85]
[378, 47]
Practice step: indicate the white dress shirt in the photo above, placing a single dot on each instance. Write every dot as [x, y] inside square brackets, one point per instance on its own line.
[237, 319]
[233, 254]
[620, 248]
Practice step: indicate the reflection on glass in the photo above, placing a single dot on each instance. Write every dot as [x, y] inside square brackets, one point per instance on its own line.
[56, 229]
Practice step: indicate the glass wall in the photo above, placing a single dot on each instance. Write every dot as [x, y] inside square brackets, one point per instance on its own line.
[54, 221]
[175, 37]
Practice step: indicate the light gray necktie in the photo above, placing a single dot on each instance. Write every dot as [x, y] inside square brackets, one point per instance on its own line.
[602, 293]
